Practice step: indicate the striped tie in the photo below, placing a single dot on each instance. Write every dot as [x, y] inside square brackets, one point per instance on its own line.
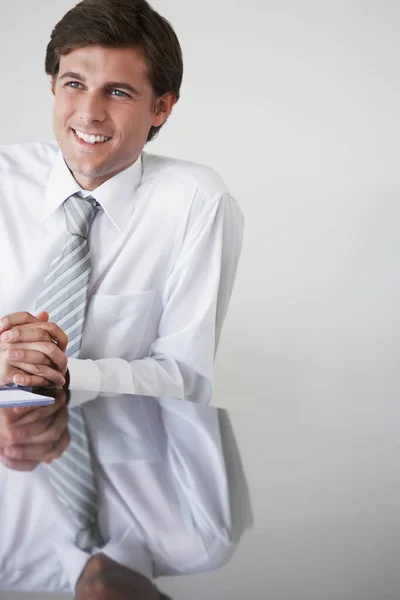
[64, 297]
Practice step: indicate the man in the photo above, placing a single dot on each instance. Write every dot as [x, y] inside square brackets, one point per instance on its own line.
[141, 310]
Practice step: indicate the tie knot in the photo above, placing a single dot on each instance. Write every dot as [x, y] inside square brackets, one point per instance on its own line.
[79, 213]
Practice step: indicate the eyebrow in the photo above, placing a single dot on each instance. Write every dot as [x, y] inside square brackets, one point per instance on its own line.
[109, 84]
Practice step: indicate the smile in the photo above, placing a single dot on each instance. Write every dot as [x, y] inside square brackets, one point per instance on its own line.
[91, 138]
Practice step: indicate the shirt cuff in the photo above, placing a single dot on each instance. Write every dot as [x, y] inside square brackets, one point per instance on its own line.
[129, 552]
[85, 378]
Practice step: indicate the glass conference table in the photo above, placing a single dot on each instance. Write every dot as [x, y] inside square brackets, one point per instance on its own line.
[226, 504]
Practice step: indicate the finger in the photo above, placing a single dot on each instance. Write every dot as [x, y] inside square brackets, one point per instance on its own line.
[28, 433]
[29, 414]
[14, 375]
[41, 432]
[24, 410]
[30, 332]
[53, 331]
[18, 354]
[55, 430]
[7, 419]
[37, 331]
[49, 349]
[28, 451]
[56, 333]
[42, 316]
[19, 465]
[59, 448]
[13, 319]
[38, 452]
[51, 375]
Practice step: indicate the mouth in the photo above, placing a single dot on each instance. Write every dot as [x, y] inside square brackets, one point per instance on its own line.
[90, 139]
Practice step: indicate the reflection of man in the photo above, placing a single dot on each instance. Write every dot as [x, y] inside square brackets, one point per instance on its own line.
[173, 500]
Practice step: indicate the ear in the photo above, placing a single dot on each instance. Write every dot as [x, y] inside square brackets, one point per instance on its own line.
[162, 108]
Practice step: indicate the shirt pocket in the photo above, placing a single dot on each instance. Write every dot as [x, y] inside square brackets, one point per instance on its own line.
[125, 428]
[115, 325]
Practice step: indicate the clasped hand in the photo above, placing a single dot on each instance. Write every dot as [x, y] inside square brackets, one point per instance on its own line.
[32, 353]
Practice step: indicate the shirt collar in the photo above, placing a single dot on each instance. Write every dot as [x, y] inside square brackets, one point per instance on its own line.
[115, 195]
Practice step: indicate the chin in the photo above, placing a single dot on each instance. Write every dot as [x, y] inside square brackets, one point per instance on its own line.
[84, 169]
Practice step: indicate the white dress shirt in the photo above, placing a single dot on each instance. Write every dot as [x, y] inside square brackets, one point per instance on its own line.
[173, 498]
[165, 250]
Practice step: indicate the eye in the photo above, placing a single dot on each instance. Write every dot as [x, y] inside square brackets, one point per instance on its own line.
[73, 84]
[119, 94]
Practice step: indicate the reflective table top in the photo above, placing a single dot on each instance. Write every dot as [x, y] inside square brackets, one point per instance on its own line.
[219, 504]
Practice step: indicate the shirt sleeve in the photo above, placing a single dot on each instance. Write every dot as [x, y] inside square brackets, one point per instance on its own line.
[195, 302]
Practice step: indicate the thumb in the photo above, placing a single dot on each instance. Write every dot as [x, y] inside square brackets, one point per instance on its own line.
[43, 316]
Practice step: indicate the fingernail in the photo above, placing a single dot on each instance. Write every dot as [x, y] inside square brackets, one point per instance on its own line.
[13, 353]
[6, 336]
[20, 379]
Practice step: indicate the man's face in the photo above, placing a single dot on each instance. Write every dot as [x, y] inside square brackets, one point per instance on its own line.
[104, 92]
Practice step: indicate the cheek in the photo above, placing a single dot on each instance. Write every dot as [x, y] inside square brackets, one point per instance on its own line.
[135, 128]
[62, 111]
[58, 118]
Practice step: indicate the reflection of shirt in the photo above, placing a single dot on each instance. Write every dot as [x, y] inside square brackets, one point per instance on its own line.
[170, 500]
[164, 248]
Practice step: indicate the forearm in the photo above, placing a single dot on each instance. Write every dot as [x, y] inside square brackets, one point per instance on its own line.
[157, 376]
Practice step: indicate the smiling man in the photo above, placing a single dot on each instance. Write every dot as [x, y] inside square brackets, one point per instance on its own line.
[119, 263]
[104, 109]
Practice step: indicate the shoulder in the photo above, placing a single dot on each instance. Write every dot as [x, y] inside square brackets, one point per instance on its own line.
[183, 175]
[192, 191]
[194, 196]
[27, 157]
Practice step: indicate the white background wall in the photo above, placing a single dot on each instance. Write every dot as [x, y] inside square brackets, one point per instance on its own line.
[295, 103]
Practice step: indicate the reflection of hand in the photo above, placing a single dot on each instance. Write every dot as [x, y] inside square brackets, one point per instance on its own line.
[29, 436]
[105, 579]
[32, 351]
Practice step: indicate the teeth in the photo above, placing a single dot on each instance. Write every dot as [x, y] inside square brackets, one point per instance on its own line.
[91, 139]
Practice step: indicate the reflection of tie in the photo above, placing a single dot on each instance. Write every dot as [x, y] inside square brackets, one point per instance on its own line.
[64, 297]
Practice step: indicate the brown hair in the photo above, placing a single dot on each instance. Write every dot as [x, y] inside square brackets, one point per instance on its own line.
[122, 23]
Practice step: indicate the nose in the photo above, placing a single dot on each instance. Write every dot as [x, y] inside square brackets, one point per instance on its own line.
[91, 108]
